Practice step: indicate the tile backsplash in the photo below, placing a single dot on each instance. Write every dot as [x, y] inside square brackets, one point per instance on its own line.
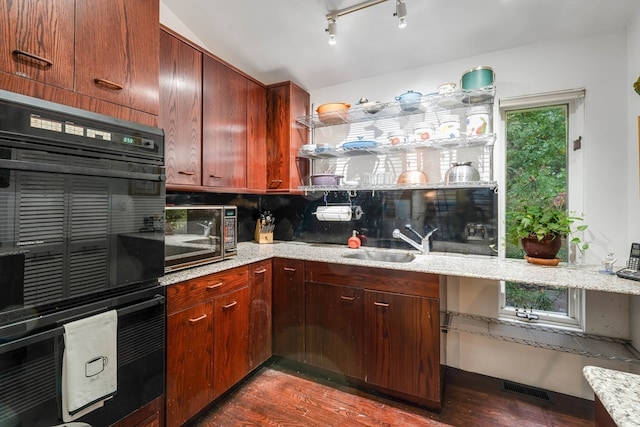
[466, 219]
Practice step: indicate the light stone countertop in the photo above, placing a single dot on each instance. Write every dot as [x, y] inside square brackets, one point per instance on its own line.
[477, 266]
[619, 393]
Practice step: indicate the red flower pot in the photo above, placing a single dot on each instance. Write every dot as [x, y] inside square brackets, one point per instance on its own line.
[546, 248]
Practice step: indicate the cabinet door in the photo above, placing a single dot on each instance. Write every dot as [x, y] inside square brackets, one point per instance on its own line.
[256, 136]
[333, 328]
[181, 110]
[285, 102]
[288, 308]
[117, 51]
[189, 362]
[402, 343]
[224, 116]
[260, 288]
[231, 340]
[37, 40]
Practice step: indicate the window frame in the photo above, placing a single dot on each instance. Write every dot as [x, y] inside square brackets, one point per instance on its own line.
[574, 99]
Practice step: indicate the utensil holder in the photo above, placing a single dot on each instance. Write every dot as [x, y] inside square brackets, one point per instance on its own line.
[262, 236]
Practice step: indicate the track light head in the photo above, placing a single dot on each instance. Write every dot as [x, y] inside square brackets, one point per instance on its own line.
[332, 29]
[401, 13]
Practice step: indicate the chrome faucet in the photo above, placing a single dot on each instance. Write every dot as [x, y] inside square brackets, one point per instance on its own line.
[423, 246]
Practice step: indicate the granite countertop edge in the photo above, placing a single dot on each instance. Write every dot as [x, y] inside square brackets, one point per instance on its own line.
[619, 393]
[473, 266]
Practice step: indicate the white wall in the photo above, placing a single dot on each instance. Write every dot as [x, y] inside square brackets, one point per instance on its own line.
[633, 148]
[603, 64]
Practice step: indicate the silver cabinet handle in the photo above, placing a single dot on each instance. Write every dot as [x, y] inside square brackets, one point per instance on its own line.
[231, 304]
[381, 304]
[197, 319]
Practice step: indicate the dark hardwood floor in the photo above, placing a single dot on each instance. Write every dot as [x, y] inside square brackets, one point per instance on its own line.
[278, 395]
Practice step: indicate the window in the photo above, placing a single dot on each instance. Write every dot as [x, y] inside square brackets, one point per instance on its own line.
[539, 152]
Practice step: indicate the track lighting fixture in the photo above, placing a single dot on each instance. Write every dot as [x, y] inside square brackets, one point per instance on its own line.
[331, 29]
[401, 13]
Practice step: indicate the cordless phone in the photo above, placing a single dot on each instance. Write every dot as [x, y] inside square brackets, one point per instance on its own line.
[631, 271]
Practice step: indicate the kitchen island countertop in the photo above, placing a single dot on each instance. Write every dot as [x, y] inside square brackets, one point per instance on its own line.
[619, 393]
[475, 266]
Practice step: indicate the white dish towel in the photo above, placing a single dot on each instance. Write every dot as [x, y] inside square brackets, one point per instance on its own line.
[89, 364]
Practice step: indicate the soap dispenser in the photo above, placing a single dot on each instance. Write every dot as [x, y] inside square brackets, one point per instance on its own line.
[354, 241]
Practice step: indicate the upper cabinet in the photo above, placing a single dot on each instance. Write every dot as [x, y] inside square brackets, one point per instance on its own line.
[38, 38]
[224, 131]
[224, 115]
[100, 56]
[181, 110]
[117, 51]
[285, 102]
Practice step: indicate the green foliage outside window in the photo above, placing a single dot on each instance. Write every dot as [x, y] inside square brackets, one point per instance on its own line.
[536, 170]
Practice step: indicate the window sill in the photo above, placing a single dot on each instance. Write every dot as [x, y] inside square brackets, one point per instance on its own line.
[563, 340]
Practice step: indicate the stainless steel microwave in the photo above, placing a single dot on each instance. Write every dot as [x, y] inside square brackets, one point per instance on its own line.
[197, 235]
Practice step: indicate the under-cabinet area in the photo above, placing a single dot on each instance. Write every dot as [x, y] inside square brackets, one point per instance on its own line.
[403, 145]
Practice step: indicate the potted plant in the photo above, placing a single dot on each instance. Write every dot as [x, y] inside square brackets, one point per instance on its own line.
[539, 225]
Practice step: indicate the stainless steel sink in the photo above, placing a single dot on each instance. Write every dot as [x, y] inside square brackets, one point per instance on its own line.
[381, 256]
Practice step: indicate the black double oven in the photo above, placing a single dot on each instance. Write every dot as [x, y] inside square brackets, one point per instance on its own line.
[82, 200]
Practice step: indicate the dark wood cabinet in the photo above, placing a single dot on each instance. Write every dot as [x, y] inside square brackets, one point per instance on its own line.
[224, 118]
[99, 56]
[285, 103]
[45, 56]
[260, 318]
[402, 350]
[333, 328]
[117, 52]
[207, 341]
[230, 339]
[256, 136]
[181, 110]
[386, 319]
[189, 362]
[288, 308]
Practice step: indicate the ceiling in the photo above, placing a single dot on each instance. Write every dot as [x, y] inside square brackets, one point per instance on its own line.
[277, 40]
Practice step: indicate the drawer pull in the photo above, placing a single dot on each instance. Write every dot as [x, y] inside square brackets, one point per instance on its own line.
[214, 286]
[231, 304]
[44, 62]
[261, 271]
[346, 298]
[197, 319]
[108, 83]
[186, 173]
[289, 269]
[381, 304]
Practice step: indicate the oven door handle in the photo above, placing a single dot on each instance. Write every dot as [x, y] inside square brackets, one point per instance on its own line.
[31, 339]
[77, 170]
[59, 330]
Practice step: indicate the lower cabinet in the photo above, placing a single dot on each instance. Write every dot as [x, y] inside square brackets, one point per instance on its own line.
[333, 328]
[207, 341]
[402, 351]
[230, 339]
[288, 308]
[260, 317]
[189, 362]
[375, 325]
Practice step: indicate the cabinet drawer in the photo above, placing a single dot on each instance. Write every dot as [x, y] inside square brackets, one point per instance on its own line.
[188, 293]
[379, 279]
